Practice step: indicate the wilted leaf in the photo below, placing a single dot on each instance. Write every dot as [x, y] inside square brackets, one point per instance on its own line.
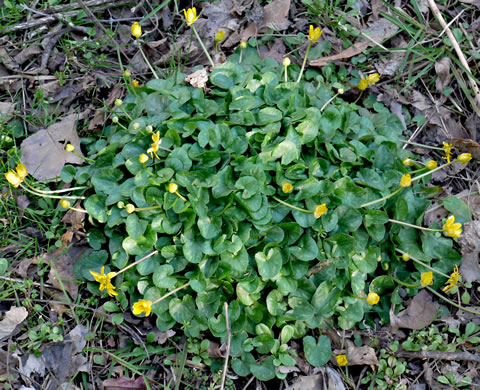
[28, 53]
[467, 146]
[361, 355]
[419, 314]
[470, 244]
[442, 68]
[6, 110]
[198, 79]
[327, 379]
[123, 383]
[44, 154]
[276, 15]
[14, 317]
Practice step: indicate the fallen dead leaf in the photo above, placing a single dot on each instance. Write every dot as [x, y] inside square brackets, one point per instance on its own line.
[326, 379]
[442, 68]
[64, 359]
[198, 79]
[391, 64]
[6, 111]
[124, 383]
[74, 218]
[419, 314]
[467, 146]
[13, 318]
[44, 154]
[277, 51]
[364, 356]
[470, 248]
[34, 364]
[27, 54]
[275, 15]
[377, 32]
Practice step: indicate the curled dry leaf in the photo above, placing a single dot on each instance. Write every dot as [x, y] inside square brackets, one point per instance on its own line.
[44, 154]
[275, 15]
[470, 247]
[198, 79]
[326, 379]
[467, 146]
[14, 317]
[419, 314]
[361, 355]
[442, 68]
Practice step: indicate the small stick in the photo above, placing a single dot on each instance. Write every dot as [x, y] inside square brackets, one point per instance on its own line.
[440, 355]
[229, 336]
[458, 50]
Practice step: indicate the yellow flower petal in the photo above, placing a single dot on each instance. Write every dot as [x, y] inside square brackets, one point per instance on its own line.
[451, 228]
[143, 158]
[286, 187]
[453, 280]
[286, 61]
[142, 306]
[13, 178]
[21, 171]
[464, 158]
[191, 15]
[432, 164]
[220, 36]
[319, 210]
[172, 188]
[362, 85]
[373, 78]
[314, 33]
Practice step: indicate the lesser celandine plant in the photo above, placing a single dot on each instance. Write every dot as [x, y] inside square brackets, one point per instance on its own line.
[279, 198]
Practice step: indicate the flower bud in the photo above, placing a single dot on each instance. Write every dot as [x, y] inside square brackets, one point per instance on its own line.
[172, 188]
[406, 180]
[69, 148]
[136, 30]
[135, 84]
[373, 298]
[130, 208]
[408, 162]
[115, 119]
[118, 102]
[149, 128]
[126, 73]
[143, 158]
[464, 158]
[341, 91]
[220, 36]
[136, 126]
[243, 45]
[120, 205]
[405, 257]
[432, 164]
[65, 204]
[286, 61]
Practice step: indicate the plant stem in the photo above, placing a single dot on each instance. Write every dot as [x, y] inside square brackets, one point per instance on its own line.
[51, 196]
[452, 303]
[171, 293]
[423, 264]
[382, 199]
[148, 208]
[414, 226]
[137, 262]
[83, 157]
[434, 170]
[180, 196]
[405, 284]
[203, 46]
[291, 206]
[421, 145]
[146, 59]
[304, 61]
[55, 191]
[286, 77]
[328, 102]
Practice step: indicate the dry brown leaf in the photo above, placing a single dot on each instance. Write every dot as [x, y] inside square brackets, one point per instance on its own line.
[378, 32]
[7, 110]
[467, 146]
[14, 317]
[277, 51]
[419, 314]
[62, 262]
[470, 247]
[326, 379]
[28, 53]
[124, 383]
[276, 15]
[44, 154]
[442, 68]
[198, 79]
[74, 218]
[361, 355]
[390, 65]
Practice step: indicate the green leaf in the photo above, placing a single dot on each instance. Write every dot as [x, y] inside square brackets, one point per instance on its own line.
[268, 115]
[182, 310]
[306, 250]
[3, 265]
[330, 121]
[161, 276]
[269, 265]
[95, 207]
[265, 370]
[135, 226]
[458, 208]
[316, 352]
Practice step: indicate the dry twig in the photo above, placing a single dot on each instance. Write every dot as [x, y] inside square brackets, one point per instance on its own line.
[229, 337]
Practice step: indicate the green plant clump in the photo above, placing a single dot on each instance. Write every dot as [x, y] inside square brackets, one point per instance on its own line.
[229, 196]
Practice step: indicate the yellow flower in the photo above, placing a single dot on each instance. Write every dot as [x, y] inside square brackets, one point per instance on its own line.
[341, 91]
[135, 84]
[452, 280]
[65, 204]
[314, 33]
[405, 257]
[172, 188]
[136, 126]
[16, 178]
[105, 281]
[370, 80]
[243, 45]
[432, 164]
[13, 178]
[408, 162]
[373, 298]
[286, 61]
[142, 306]
[341, 360]
[319, 210]
[136, 30]
[191, 15]
[69, 148]
[21, 171]
[448, 151]
[426, 279]
[143, 158]
[154, 147]
[130, 208]
[464, 158]
[373, 78]
[406, 180]
[286, 187]
[126, 73]
[220, 36]
[451, 228]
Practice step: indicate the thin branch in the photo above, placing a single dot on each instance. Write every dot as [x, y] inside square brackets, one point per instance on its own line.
[229, 337]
